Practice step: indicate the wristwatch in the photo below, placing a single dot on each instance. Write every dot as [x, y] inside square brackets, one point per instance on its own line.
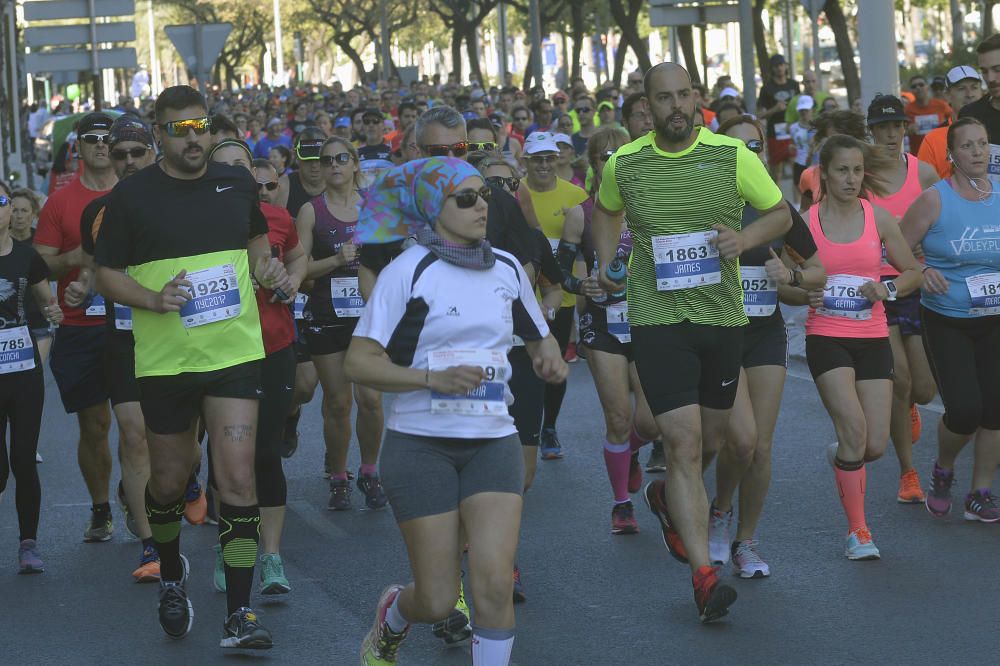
[550, 314]
[890, 286]
[796, 278]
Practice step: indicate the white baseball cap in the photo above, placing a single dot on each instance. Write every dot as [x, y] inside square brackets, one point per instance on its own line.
[960, 73]
[805, 102]
[540, 142]
[729, 92]
[562, 138]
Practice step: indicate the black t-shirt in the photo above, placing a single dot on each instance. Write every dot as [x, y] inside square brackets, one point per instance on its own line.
[297, 195]
[984, 111]
[151, 216]
[34, 313]
[375, 157]
[19, 269]
[770, 94]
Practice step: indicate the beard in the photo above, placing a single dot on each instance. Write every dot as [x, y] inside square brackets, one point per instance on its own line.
[664, 130]
[187, 162]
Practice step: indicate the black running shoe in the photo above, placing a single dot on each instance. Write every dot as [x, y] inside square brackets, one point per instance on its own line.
[371, 486]
[243, 631]
[176, 611]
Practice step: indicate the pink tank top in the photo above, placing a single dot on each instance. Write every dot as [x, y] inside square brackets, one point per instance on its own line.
[845, 312]
[898, 203]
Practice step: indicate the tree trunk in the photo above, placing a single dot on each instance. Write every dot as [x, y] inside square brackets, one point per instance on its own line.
[845, 50]
[354, 57]
[456, 52]
[577, 34]
[529, 68]
[470, 48]
[988, 18]
[628, 22]
[760, 40]
[620, 51]
[685, 35]
[957, 40]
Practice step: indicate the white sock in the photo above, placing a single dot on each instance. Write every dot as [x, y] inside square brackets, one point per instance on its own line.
[394, 618]
[491, 651]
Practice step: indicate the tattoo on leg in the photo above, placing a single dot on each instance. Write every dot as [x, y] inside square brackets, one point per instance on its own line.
[238, 433]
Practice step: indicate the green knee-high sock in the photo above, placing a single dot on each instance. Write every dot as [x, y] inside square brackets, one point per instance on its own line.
[165, 524]
[239, 532]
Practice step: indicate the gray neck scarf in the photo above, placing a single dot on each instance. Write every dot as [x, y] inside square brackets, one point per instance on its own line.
[478, 257]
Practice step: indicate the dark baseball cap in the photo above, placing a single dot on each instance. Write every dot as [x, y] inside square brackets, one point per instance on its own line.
[94, 121]
[130, 128]
[372, 111]
[884, 109]
[778, 59]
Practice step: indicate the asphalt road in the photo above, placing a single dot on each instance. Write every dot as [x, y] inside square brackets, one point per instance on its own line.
[594, 598]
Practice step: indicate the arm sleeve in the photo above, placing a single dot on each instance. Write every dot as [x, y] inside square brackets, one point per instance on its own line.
[753, 181]
[529, 323]
[549, 266]
[38, 270]
[610, 196]
[798, 238]
[385, 307]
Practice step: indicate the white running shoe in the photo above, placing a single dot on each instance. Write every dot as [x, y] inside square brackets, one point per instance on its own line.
[719, 525]
[860, 545]
[747, 562]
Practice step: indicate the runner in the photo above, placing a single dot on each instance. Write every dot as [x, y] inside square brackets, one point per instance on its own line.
[78, 346]
[24, 209]
[924, 113]
[22, 383]
[987, 109]
[957, 230]
[306, 183]
[965, 86]
[847, 337]
[326, 228]
[912, 382]
[745, 458]
[189, 227]
[277, 374]
[686, 317]
[772, 105]
[449, 428]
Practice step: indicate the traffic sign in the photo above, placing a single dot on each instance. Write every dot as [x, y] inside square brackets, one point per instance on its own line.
[199, 44]
[814, 7]
[77, 60]
[662, 14]
[48, 10]
[62, 35]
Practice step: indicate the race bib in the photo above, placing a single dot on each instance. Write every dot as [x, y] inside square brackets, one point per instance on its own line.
[994, 167]
[618, 322]
[781, 131]
[686, 260]
[347, 301]
[215, 296]
[760, 295]
[485, 400]
[123, 317]
[926, 123]
[16, 351]
[985, 292]
[842, 298]
[96, 307]
[298, 308]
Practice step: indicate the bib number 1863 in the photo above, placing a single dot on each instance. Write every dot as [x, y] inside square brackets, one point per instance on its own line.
[683, 261]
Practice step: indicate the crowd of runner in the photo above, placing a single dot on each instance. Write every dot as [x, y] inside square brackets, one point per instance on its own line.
[220, 258]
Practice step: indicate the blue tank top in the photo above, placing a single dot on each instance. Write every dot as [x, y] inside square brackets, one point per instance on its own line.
[963, 244]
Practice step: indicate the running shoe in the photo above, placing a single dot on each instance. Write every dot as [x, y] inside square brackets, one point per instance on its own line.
[195, 503]
[623, 519]
[290, 438]
[176, 612]
[149, 566]
[747, 563]
[340, 495]
[244, 632]
[915, 425]
[549, 444]
[381, 644]
[571, 356]
[519, 596]
[272, 575]
[99, 528]
[371, 486]
[219, 574]
[123, 505]
[211, 516]
[635, 474]
[980, 505]
[713, 598]
[28, 559]
[719, 528]
[938, 500]
[455, 628]
[658, 505]
[909, 488]
[860, 545]
[656, 462]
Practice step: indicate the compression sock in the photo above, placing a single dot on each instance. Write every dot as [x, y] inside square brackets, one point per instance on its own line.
[635, 441]
[368, 470]
[338, 476]
[851, 479]
[394, 618]
[491, 647]
[239, 532]
[165, 524]
[618, 458]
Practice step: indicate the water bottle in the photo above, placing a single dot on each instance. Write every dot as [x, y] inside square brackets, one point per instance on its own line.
[616, 273]
[594, 273]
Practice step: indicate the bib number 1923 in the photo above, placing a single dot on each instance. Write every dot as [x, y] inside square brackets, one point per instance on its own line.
[487, 399]
[686, 260]
[215, 296]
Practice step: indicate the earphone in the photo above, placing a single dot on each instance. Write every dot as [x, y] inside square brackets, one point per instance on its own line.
[972, 183]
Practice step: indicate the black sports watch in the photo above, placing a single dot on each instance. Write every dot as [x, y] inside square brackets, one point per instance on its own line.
[796, 278]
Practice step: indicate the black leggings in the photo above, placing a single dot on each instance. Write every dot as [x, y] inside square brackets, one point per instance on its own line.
[22, 395]
[277, 378]
[554, 393]
[528, 391]
[965, 359]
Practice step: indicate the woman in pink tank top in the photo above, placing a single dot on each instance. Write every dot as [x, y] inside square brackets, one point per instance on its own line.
[847, 339]
[912, 381]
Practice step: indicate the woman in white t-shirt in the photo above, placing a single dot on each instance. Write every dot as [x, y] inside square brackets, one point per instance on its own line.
[436, 331]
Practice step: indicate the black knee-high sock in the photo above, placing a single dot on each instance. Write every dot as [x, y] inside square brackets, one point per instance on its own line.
[165, 524]
[239, 532]
[554, 394]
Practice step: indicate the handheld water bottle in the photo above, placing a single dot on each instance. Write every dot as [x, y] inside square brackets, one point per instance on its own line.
[616, 273]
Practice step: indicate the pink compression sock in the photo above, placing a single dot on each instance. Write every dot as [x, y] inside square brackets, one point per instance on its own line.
[851, 485]
[367, 470]
[636, 442]
[617, 458]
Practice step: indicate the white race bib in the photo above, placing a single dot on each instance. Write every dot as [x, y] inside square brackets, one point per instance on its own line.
[96, 307]
[347, 301]
[985, 292]
[760, 294]
[485, 400]
[123, 317]
[842, 298]
[618, 322]
[686, 260]
[16, 351]
[298, 308]
[926, 123]
[215, 296]
[781, 131]
[994, 167]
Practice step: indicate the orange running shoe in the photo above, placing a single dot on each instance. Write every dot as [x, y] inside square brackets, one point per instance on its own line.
[195, 504]
[656, 502]
[713, 598]
[914, 423]
[909, 488]
[149, 567]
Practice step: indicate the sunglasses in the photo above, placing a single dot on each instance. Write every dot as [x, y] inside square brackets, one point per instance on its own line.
[442, 149]
[485, 145]
[499, 181]
[4, 201]
[339, 158]
[372, 121]
[583, 109]
[606, 155]
[542, 159]
[135, 153]
[755, 145]
[180, 128]
[94, 139]
[468, 198]
[308, 151]
[271, 186]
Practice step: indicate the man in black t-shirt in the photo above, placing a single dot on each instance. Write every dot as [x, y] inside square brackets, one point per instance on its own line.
[772, 102]
[375, 155]
[987, 109]
[307, 182]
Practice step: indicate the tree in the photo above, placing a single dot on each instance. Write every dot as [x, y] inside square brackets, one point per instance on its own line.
[350, 19]
[627, 19]
[685, 36]
[548, 11]
[462, 18]
[845, 48]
